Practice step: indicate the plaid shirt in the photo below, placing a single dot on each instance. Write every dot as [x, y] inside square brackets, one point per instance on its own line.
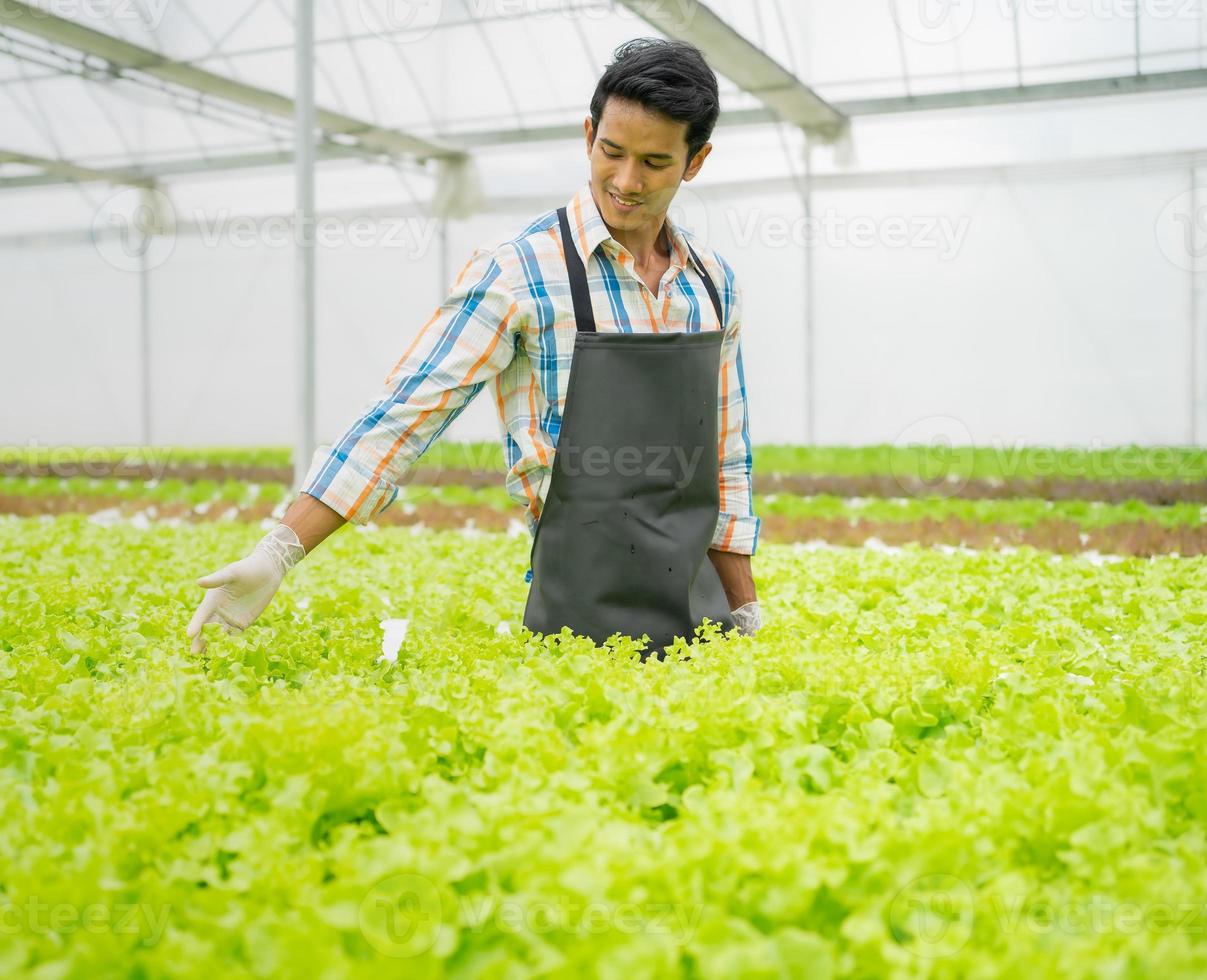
[509, 320]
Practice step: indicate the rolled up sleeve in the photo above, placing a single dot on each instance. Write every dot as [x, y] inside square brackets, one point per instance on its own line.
[467, 341]
[737, 527]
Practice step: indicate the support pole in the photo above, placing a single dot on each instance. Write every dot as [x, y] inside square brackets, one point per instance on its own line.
[810, 373]
[304, 152]
[1197, 275]
[442, 280]
[144, 339]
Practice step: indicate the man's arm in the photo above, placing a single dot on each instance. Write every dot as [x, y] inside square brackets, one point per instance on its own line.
[736, 577]
[312, 521]
[737, 531]
[468, 341]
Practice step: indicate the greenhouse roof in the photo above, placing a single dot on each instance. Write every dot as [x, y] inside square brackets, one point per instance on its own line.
[131, 90]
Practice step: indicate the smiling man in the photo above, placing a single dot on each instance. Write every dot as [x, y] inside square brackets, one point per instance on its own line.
[611, 341]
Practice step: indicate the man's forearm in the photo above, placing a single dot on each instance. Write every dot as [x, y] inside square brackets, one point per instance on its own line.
[736, 577]
[312, 520]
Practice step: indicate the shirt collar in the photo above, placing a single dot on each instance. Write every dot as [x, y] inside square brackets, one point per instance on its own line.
[589, 231]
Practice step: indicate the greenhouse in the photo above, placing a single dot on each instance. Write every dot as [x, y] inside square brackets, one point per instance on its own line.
[772, 442]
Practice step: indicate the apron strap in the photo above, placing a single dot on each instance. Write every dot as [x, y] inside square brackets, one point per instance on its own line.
[580, 293]
[708, 283]
[579, 290]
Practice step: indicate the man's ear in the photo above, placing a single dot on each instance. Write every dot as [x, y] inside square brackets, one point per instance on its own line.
[697, 161]
[589, 133]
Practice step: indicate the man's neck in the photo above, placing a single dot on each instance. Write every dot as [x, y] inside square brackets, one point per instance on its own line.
[646, 248]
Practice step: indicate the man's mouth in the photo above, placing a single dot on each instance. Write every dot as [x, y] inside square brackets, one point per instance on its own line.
[624, 203]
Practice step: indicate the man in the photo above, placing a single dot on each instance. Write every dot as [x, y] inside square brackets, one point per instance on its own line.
[635, 465]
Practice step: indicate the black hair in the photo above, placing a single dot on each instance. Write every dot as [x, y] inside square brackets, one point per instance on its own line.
[668, 77]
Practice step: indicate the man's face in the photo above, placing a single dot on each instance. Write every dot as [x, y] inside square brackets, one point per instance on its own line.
[638, 159]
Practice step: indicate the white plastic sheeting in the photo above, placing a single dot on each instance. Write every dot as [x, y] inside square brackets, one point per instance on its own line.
[1038, 308]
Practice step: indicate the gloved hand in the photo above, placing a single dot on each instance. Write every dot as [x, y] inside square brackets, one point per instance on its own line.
[747, 618]
[240, 591]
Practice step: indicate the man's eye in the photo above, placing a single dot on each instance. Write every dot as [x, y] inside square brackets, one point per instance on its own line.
[657, 166]
[611, 156]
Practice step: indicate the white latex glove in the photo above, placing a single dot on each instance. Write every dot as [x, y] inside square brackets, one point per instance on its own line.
[747, 618]
[240, 591]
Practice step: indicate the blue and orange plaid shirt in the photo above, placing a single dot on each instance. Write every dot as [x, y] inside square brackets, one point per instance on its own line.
[509, 321]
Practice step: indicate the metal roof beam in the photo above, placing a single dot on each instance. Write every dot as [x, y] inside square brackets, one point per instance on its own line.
[1041, 92]
[124, 56]
[745, 64]
[1127, 84]
[151, 174]
[1072, 169]
[63, 171]
[966, 99]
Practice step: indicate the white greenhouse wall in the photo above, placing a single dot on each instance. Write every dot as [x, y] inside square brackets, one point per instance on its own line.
[1021, 304]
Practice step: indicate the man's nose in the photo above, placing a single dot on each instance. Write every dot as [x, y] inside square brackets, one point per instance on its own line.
[629, 178]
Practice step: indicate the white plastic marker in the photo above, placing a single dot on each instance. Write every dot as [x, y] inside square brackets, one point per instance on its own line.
[394, 631]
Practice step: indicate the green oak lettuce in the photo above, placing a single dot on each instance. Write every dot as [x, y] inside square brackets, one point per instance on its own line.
[925, 765]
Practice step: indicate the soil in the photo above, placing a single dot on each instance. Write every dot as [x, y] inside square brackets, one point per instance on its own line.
[1158, 492]
[1141, 538]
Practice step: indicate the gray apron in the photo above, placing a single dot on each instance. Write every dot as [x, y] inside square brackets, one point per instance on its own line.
[622, 542]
